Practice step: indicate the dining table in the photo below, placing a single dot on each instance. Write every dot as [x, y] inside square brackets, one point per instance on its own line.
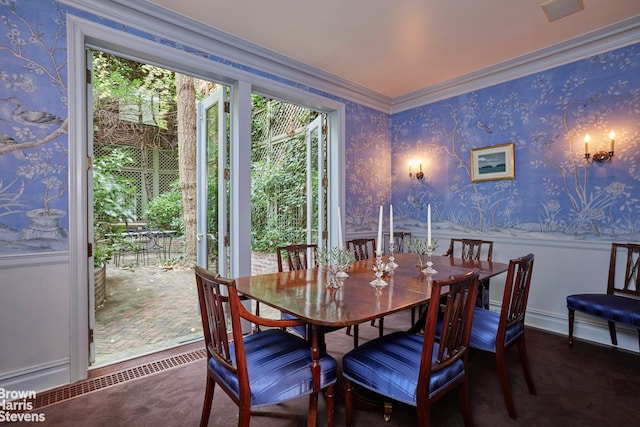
[306, 295]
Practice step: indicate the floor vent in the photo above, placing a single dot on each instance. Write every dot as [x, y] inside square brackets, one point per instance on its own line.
[71, 391]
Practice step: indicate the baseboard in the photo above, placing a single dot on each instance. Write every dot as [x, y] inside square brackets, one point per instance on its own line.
[586, 328]
[37, 378]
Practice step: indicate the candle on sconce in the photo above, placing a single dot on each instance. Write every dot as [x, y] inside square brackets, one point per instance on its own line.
[587, 138]
[612, 137]
[429, 224]
[379, 242]
[340, 240]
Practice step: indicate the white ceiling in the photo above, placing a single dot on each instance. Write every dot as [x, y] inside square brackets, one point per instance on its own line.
[396, 47]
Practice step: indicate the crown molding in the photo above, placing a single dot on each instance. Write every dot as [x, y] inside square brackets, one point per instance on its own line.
[248, 57]
[615, 36]
[229, 49]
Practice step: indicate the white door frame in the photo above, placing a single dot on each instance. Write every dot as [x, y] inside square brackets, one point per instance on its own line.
[82, 34]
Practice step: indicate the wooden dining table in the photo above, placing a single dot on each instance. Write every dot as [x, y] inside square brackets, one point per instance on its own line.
[305, 295]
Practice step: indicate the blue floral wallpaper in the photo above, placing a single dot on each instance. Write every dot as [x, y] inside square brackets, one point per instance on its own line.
[546, 116]
[33, 128]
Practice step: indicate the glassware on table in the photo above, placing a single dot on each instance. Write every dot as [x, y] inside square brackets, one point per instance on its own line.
[335, 262]
[423, 249]
[380, 268]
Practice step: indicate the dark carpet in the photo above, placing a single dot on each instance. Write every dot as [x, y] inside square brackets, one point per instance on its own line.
[588, 385]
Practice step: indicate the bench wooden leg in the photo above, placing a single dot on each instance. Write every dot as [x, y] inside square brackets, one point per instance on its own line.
[572, 315]
[612, 332]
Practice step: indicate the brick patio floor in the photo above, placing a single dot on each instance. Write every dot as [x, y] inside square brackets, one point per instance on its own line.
[148, 309]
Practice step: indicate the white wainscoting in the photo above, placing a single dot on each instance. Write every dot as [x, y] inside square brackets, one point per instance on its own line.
[561, 268]
[34, 322]
[35, 331]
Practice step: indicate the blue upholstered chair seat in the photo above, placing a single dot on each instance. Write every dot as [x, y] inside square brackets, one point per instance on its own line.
[301, 330]
[390, 366]
[615, 308]
[484, 330]
[278, 367]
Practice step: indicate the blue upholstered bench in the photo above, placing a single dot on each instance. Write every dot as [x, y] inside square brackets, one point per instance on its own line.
[621, 303]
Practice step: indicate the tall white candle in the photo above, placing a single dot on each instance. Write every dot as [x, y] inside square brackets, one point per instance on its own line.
[379, 242]
[340, 240]
[429, 225]
[390, 223]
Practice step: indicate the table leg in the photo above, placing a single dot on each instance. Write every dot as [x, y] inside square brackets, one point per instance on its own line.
[315, 370]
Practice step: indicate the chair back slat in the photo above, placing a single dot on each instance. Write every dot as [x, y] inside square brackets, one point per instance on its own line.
[516, 293]
[362, 248]
[471, 249]
[457, 296]
[297, 257]
[629, 284]
[215, 295]
[401, 241]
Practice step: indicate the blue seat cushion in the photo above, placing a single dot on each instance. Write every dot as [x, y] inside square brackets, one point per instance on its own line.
[390, 366]
[301, 330]
[615, 308]
[278, 364]
[484, 330]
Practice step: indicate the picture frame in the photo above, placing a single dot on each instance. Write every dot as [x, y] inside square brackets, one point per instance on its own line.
[492, 163]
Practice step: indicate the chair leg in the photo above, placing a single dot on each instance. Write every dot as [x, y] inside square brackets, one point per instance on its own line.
[208, 400]
[330, 394]
[348, 402]
[465, 404]
[348, 330]
[312, 414]
[612, 332]
[356, 332]
[524, 361]
[244, 418]
[501, 364]
[572, 317]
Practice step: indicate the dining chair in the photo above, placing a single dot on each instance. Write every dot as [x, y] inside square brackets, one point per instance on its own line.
[496, 332]
[263, 368]
[400, 241]
[466, 249]
[418, 369]
[621, 301]
[299, 257]
[363, 249]
[474, 249]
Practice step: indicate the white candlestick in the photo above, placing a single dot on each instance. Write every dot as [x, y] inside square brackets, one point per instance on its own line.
[379, 242]
[340, 244]
[429, 225]
[390, 222]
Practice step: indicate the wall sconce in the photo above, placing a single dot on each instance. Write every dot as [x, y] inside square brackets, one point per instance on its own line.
[418, 175]
[599, 156]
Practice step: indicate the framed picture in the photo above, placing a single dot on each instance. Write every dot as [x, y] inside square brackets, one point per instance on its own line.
[492, 163]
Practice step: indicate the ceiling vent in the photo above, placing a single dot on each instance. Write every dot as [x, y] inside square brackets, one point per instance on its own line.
[556, 9]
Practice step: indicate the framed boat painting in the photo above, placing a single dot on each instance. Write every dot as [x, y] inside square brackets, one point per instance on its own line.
[492, 163]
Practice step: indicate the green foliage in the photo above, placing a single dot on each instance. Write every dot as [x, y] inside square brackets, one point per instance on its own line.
[278, 193]
[141, 92]
[113, 203]
[165, 211]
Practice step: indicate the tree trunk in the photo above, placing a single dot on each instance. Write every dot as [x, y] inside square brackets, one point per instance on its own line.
[187, 142]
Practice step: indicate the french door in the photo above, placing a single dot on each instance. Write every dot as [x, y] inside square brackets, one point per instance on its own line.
[213, 192]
